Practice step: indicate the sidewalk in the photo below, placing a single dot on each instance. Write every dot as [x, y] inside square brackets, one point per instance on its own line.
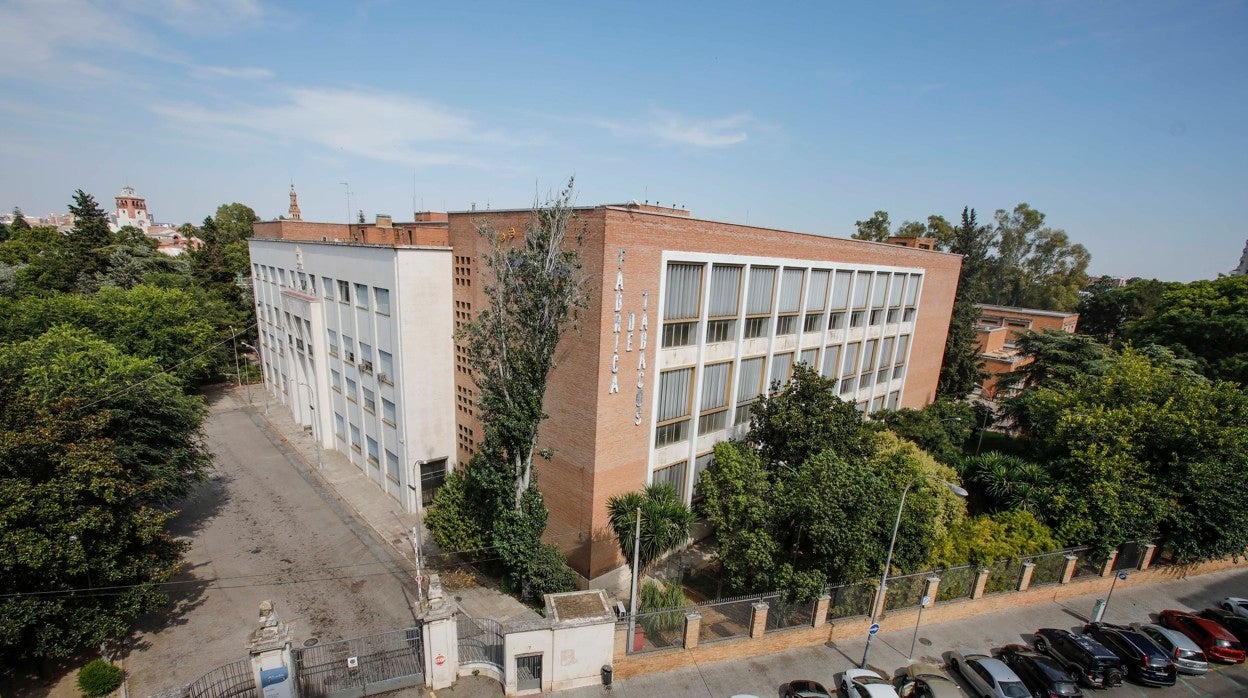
[375, 508]
[764, 674]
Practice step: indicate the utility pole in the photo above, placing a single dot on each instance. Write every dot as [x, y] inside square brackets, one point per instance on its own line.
[632, 607]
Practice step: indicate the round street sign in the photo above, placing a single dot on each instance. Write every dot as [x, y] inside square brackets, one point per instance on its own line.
[1122, 574]
[440, 659]
[875, 628]
[925, 600]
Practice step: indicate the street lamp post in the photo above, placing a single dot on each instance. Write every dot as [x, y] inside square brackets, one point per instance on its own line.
[880, 595]
[316, 432]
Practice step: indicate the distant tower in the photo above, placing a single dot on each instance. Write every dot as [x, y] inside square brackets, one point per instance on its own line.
[293, 212]
[132, 210]
[1242, 269]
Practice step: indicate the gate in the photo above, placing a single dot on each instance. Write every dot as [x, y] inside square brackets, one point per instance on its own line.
[233, 680]
[480, 641]
[362, 666]
[529, 672]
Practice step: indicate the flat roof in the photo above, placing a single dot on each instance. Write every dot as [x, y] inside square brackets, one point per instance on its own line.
[1027, 311]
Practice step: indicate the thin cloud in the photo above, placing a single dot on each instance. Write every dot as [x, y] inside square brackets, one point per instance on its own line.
[217, 71]
[673, 127]
[375, 125]
[198, 16]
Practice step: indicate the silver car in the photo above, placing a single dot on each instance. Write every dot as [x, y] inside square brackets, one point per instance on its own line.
[1184, 652]
[928, 681]
[988, 676]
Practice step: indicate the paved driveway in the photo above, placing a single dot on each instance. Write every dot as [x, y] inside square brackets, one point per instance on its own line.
[263, 528]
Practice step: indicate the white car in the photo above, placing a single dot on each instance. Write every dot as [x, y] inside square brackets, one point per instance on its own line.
[989, 677]
[864, 683]
[1235, 605]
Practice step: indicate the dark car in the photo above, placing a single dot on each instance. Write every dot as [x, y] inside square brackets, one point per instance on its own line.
[803, 688]
[1042, 675]
[1238, 625]
[1216, 641]
[1146, 662]
[1086, 659]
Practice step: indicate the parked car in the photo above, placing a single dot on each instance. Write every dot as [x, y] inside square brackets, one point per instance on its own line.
[1086, 659]
[1216, 641]
[1041, 673]
[988, 676]
[864, 683]
[1237, 625]
[1146, 663]
[1187, 656]
[929, 681]
[805, 688]
[1235, 605]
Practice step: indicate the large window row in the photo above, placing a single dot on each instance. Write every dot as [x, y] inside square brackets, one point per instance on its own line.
[769, 300]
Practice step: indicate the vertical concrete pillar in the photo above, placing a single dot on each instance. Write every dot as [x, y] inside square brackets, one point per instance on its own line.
[1146, 560]
[931, 588]
[441, 635]
[1024, 582]
[272, 664]
[1069, 570]
[981, 582]
[758, 620]
[693, 628]
[821, 610]
[1108, 568]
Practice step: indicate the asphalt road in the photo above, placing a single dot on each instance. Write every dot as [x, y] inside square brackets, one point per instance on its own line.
[263, 527]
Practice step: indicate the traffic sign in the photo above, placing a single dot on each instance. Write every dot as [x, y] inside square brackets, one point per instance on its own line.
[925, 600]
[440, 659]
[353, 662]
[875, 628]
[1122, 575]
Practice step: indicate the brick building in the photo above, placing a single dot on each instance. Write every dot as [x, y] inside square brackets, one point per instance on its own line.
[689, 321]
[999, 326]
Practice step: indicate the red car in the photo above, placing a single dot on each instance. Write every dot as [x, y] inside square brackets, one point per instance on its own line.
[1218, 643]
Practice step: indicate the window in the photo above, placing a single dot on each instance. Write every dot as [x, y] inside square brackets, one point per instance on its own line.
[749, 386]
[327, 287]
[780, 365]
[714, 397]
[868, 355]
[861, 281]
[340, 426]
[893, 314]
[894, 399]
[856, 318]
[701, 463]
[679, 334]
[877, 317]
[348, 348]
[912, 288]
[370, 400]
[790, 300]
[786, 324]
[879, 290]
[303, 281]
[352, 390]
[385, 367]
[886, 351]
[335, 379]
[836, 321]
[361, 296]
[372, 450]
[392, 466]
[333, 343]
[387, 411]
[355, 437]
[344, 292]
[813, 323]
[674, 389]
[851, 360]
[903, 345]
[840, 289]
[725, 291]
[673, 475]
[758, 301]
[720, 331]
[817, 292]
[895, 289]
[381, 297]
[757, 327]
[810, 357]
[366, 358]
[909, 315]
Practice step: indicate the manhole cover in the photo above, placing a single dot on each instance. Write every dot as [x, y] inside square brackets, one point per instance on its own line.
[310, 642]
[459, 598]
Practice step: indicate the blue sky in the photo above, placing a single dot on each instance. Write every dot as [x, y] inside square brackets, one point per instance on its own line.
[1125, 122]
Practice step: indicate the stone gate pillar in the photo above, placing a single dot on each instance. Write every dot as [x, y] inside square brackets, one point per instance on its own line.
[441, 638]
[272, 663]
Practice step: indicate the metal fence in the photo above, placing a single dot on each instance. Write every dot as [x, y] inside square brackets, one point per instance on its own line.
[905, 591]
[1048, 568]
[480, 641]
[233, 680]
[725, 619]
[957, 583]
[1089, 564]
[851, 600]
[1004, 575]
[783, 614]
[660, 629]
[1129, 555]
[362, 665]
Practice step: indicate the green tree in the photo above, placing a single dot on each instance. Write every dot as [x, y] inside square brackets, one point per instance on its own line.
[940, 428]
[1010, 482]
[805, 417]
[961, 369]
[1036, 266]
[19, 221]
[736, 501]
[42, 253]
[1057, 358]
[665, 523]
[89, 239]
[875, 228]
[986, 538]
[1206, 321]
[1106, 309]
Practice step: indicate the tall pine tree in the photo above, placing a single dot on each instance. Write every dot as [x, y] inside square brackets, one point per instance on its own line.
[89, 239]
[960, 372]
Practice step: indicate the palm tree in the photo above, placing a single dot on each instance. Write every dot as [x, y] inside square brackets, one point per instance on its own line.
[665, 523]
[1011, 482]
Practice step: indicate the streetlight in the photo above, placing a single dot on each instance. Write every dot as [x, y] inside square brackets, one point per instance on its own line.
[316, 433]
[879, 602]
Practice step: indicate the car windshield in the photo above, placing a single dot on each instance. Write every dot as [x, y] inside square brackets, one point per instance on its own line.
[869, 680]
[1066, 689]
[1158, 662]
[1014, 689]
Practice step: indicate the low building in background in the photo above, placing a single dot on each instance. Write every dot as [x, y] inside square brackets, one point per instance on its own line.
[999, 326]
[689, 322]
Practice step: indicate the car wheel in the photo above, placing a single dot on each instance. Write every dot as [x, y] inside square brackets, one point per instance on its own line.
[1041, 645]
[1113, 679]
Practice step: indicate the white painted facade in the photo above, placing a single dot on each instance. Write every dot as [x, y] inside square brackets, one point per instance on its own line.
[877, 307]
[357, 341]
[131, 209]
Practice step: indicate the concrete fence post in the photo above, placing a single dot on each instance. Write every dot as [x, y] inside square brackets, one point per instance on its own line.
[693, 629]
[1108, 568]
[1069, 570]
[441, 636]
[272, 664]
[931, 589]
[758, 619]
[981, 582]
[1146, 560]
[1024, 582]
[821, 610]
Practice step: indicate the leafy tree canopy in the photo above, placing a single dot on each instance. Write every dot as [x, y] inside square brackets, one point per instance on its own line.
[1204, 320]
[940, 428]
[1106, 309]
[665, 523]
[804, 418]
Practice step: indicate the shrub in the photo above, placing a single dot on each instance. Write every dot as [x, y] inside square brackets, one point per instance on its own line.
[454, 526]
[658, 597]
[99, 678]
[548, 573]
